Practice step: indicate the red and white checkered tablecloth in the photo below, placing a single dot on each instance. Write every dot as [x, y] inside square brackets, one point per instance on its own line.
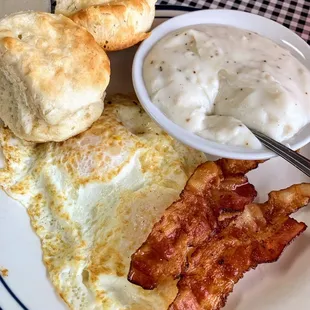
[294, 14]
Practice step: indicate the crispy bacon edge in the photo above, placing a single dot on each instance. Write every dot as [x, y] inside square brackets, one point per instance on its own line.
[213, 188]
[258, 235]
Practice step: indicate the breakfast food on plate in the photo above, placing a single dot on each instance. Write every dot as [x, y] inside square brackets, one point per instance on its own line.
[94, 198]
[52, 76]
[213, 189]
[258, 235]
[115, 24]
[104, 178]
[211, 262]
[213, 80]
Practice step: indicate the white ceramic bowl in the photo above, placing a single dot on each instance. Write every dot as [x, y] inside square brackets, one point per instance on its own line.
[267, 28]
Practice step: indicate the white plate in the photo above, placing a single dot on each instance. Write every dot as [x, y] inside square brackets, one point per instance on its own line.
[283, 285]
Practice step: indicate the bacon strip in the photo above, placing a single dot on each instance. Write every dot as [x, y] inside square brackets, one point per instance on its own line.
[258, 235]
[213, 188]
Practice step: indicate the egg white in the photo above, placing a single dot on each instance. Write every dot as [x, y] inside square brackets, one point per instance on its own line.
[94, 198]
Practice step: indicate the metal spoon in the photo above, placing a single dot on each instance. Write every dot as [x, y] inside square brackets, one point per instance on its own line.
[297, 160]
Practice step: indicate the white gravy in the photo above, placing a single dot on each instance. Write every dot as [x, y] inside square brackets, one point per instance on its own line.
[216, 80]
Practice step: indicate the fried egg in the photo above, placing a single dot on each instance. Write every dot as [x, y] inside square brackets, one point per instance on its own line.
[93, 200]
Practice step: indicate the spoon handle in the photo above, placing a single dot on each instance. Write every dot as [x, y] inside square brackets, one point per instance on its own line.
[297, 160]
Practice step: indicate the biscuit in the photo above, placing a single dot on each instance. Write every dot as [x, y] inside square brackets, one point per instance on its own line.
[53, 76]
[115, 24]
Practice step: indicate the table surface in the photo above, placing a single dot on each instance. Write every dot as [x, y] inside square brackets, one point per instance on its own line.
[293, 14]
